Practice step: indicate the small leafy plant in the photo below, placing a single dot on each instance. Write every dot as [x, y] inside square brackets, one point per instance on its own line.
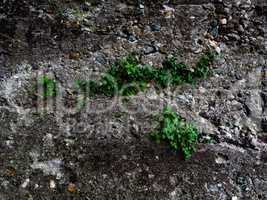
[49, 86]
[202, 67]
[130, 73]
[179, 134]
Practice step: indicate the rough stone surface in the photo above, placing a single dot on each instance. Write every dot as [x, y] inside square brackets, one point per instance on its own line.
[49, 150]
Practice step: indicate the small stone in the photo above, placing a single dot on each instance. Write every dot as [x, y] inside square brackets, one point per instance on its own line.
[132, 38]
[149, 50]
[9, 143]
[223, 21]
[197, 50]
[72, 188]
[155, 27]
[173, 180]
[241, 29]
[135, 127]
[52, 184]
[163, 50]
[85, 29]
[104, 176]
[234, 198]
[233, 36]
[168, 11]
[141, 6]
[173, 194]
[202, 90]
[213, 43]
[244, 23]
[254, 142]
[227, 10]
[75, 55]
[151, 176]
[214, 29]
[218, 50]
[246, 4]
[5, 184]
[87, 6]
[11, 172]
[220, 160]
[25, 183]
[101, 59]
[223, 46]
[237, 3]
[141, 10]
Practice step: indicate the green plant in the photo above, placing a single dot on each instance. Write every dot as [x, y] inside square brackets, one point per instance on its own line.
[49, 86]
[179, 134]
[129, 77]
[202, 68]
[180, 73]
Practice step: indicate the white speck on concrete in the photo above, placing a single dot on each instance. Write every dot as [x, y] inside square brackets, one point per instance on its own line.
[52, 184]
[25, 183]
[51, 167]
[173, 194]
[220, 160]
[234, 198]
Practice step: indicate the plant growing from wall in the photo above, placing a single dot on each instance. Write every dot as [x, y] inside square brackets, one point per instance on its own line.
[129, 72]
[176, 132]
[49, 86]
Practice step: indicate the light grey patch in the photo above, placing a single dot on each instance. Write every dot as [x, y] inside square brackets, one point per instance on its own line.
[51, 167]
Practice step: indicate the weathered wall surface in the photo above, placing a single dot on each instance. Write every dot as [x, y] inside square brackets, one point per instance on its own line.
[104, 150]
